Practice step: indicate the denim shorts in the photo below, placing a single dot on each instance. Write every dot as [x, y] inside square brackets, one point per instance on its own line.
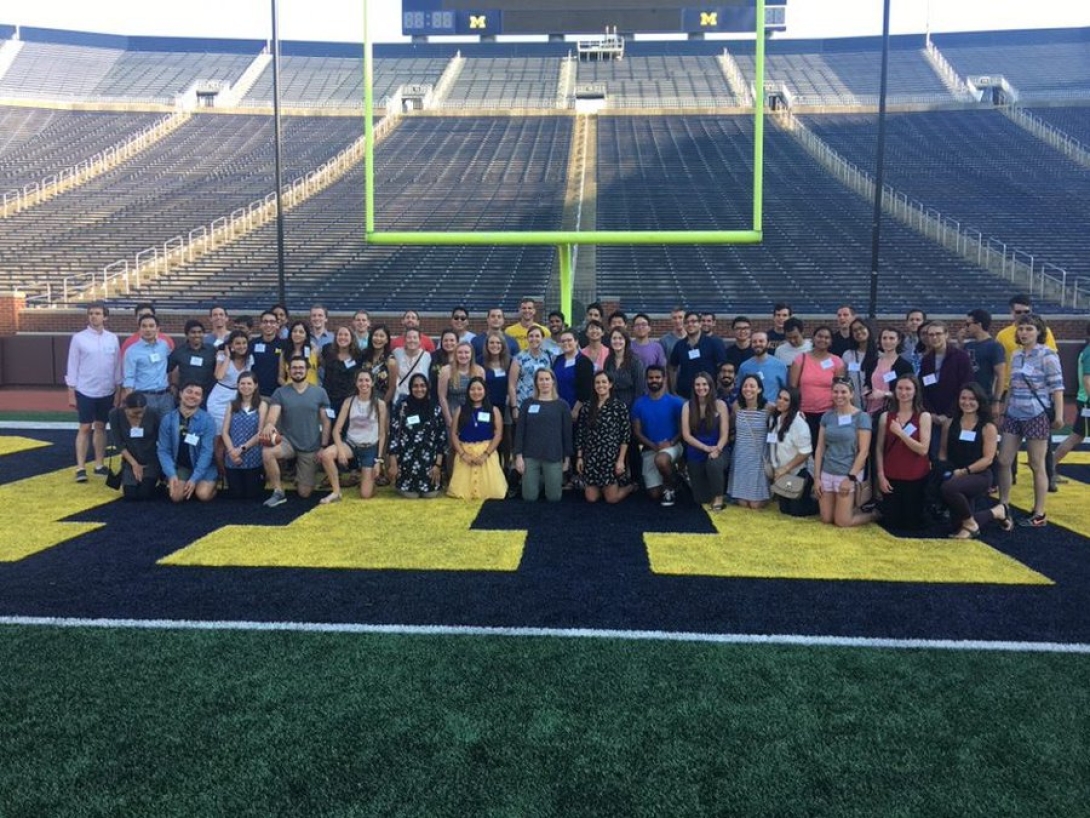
[364, 457]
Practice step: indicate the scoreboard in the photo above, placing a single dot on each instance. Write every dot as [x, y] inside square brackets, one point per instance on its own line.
[493, 17]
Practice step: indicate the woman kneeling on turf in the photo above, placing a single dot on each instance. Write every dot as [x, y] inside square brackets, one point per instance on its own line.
[476, 433]
[359, 439]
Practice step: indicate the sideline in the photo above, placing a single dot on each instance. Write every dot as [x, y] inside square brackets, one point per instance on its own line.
[562, 633]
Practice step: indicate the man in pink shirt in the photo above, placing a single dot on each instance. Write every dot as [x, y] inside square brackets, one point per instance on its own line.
[93, 375]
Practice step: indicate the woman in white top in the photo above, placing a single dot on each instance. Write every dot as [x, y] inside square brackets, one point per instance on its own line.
[790, 448]
[231, 361]
[359, 439]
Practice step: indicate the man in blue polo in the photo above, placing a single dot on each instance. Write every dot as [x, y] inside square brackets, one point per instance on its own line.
[695, 353]
[145, 368]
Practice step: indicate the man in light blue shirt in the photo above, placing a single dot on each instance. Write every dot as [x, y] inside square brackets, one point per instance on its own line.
[770, 370]
[145, 368]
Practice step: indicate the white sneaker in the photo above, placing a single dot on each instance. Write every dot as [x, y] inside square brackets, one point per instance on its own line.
[668, 497]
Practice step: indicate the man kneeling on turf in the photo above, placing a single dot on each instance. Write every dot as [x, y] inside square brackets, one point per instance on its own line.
[186, 441]
[301, 412]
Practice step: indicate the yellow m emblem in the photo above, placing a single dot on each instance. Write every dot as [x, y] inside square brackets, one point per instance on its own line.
[709, 18]
[478, 21]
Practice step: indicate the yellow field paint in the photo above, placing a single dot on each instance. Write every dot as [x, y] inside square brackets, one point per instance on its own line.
[1069, 507]
[769, 545]
[30, 511]
[15, 444]
[385, 532]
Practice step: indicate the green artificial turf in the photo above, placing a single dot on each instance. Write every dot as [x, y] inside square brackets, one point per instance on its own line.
[116, 722]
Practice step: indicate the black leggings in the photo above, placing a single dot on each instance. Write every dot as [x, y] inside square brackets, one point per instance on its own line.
[959, 493]
[245, 484]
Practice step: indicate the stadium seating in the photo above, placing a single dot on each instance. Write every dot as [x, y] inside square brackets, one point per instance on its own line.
[981, 169]
[432, 174]
[315, 82]
[845, 77]
[36, 142]
[161, 75]
[210, 166]
[506, 82]
[58, 71]
[1075, 122]
[688, 173]
[1041, 65]
[659, 80]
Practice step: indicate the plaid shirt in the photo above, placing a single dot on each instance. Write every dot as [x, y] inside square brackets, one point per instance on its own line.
[1037, 370]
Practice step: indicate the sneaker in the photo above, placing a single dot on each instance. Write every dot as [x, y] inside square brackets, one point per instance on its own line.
[278, 498]
[1036, 521]
[669, 496]
[101, 471]
[81, 475]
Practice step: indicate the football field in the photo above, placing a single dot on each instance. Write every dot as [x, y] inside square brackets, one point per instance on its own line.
[434, 658]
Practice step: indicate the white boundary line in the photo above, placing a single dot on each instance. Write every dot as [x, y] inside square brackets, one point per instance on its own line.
[561, 633]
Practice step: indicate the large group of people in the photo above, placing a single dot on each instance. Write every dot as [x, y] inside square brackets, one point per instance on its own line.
[854, 423]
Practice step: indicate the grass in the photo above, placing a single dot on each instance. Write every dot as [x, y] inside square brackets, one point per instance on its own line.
[115, 722]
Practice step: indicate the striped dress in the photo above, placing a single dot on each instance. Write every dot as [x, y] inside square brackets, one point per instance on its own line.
[747, 471]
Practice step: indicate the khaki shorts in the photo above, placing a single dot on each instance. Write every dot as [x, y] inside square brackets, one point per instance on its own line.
[306, 464]
[651, 477]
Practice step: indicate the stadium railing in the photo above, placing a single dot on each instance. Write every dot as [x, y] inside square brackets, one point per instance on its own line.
[1037, 277]
[15, 201]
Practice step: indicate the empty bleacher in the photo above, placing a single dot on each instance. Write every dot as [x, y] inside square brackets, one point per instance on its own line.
[486, 173]
[58, 71]
[815, 75]
[337, 81]
[37, 142]
[1075, 122]
[979, 168]
[659, 80]
[1042, 65]
[160, 75]
[695, 172]
[506, 82]
[204, 170]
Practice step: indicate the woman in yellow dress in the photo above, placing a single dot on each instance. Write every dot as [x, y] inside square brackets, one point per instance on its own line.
[476, 434]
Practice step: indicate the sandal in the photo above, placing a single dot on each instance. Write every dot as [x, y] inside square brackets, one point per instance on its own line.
[1035, 521]
[966, 533]
[330, 498]
[1006, 523]
[717, 506]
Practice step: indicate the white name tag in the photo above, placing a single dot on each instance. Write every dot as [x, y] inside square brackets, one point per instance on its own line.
[967, 435]
[910, 429]
[771, 438]
[1085, 413]
[351, 362]
[218, 342]
[694, 354]
[196, 360]
[498, 371]
[259, 348]
[154, 358]
[760, 375]
[412, 420]
[889, 377]
[192, 439]
[854, 366]
[535, 409]
[569, 362]
[930, 380]
[136, 431]
[484, 417]
[247, 411]
[827, 363]
[844, 420]
[331, 413]
[1028, 371]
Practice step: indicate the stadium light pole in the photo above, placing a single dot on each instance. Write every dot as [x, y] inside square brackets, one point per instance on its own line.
[876, 224]
[281, 281]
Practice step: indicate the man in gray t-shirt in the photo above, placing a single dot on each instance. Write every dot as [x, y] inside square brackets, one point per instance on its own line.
[301, 414]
